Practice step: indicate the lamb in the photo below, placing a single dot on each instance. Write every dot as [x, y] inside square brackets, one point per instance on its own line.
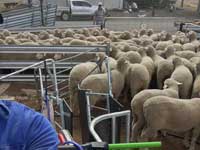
[99, 82]
[170, 89]
[166, 114]
[115, 52]
[196, 85]
[183, 75]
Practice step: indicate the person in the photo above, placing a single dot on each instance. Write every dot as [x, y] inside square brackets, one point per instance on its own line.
[99, 16]
[24, 129]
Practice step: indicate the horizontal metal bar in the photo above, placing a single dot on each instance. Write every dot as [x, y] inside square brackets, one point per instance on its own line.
[6, 49]
[22, 64]
[28, 78]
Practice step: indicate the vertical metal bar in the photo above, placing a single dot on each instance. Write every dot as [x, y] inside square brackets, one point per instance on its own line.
[128, 127]
[41, 84]
[113, 129]
[62, 114]
[88, 109]
[55, 82]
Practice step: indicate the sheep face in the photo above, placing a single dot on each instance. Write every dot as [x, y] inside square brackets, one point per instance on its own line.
[170, 82]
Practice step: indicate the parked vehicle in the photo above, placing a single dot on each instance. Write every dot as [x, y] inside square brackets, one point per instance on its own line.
[71, 8]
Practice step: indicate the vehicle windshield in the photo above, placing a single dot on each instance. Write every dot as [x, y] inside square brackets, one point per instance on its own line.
[81, 3]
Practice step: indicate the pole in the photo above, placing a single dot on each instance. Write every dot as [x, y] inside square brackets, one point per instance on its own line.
[41, 11]
[134, 145]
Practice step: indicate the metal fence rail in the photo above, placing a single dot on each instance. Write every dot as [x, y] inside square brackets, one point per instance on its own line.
[52, 49]
[39, 29]
[29, 17]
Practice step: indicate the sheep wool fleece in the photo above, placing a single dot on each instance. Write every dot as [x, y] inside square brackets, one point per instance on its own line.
[24, 129]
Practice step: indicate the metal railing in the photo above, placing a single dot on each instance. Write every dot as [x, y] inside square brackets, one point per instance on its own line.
[29, 17]
[112, 116]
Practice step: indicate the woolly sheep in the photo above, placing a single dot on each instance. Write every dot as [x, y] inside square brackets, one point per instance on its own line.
[170, 89]
[147, 62]
[91, 39]
[78, 42]
[77, 74]
[171, 114]
[68, 33]
[189, 47]
[125, 35]
[137, 78]
[99, 82]
[6, 33]
[163, 44]
[132, 57]
[12, 41]
[43, 35]
[164, 71]
[196, 85]
[183, 75]
[116, 53]
[186, 54]
[2, 42]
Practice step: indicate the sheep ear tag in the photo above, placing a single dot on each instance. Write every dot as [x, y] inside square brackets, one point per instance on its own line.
[178, 83]
[165, 87]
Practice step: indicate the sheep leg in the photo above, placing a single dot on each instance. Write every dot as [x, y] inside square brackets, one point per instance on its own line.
[148, 133]
[137, 129]
[186, 142]
[195, 135]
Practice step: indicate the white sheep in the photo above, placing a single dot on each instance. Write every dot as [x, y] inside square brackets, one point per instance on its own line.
[77, 74]
[183, 75]
[186, 54]
[99, 82]
[147, 62]
[170, 89]
[196, 85]
[164, 114]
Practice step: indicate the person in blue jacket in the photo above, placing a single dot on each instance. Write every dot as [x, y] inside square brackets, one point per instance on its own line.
[21, 128]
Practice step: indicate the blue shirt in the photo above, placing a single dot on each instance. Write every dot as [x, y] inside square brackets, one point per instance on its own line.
[21, 128]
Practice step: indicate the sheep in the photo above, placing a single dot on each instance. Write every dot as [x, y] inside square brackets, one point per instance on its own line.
[79, 36]
[186, 54]
[77, 74]
[170, 89]
[86, 32]
[164, 71]
[132, 57]
[196, 85]
[183, 75]
[92, 39]
[125, 35]
[78, 42]
[44, 35]
[99, 82]
[177, 46]
[147, 62]
[66, 40]
[166, 114]
[189, 47]
[12, 41]
[163, 44]
[105, 33]
[170, 55]
[59, 33]
[2, 42]
[68, 33]
[115, 53]
[6, 33]
[137, 78]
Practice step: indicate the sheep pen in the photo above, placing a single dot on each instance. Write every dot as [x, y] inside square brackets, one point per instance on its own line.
[162, 57]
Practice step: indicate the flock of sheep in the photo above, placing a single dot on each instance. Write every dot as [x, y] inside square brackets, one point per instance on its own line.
[158, 74]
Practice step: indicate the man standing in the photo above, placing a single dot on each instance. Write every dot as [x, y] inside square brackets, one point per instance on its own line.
[99, 16]
[21, 128]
